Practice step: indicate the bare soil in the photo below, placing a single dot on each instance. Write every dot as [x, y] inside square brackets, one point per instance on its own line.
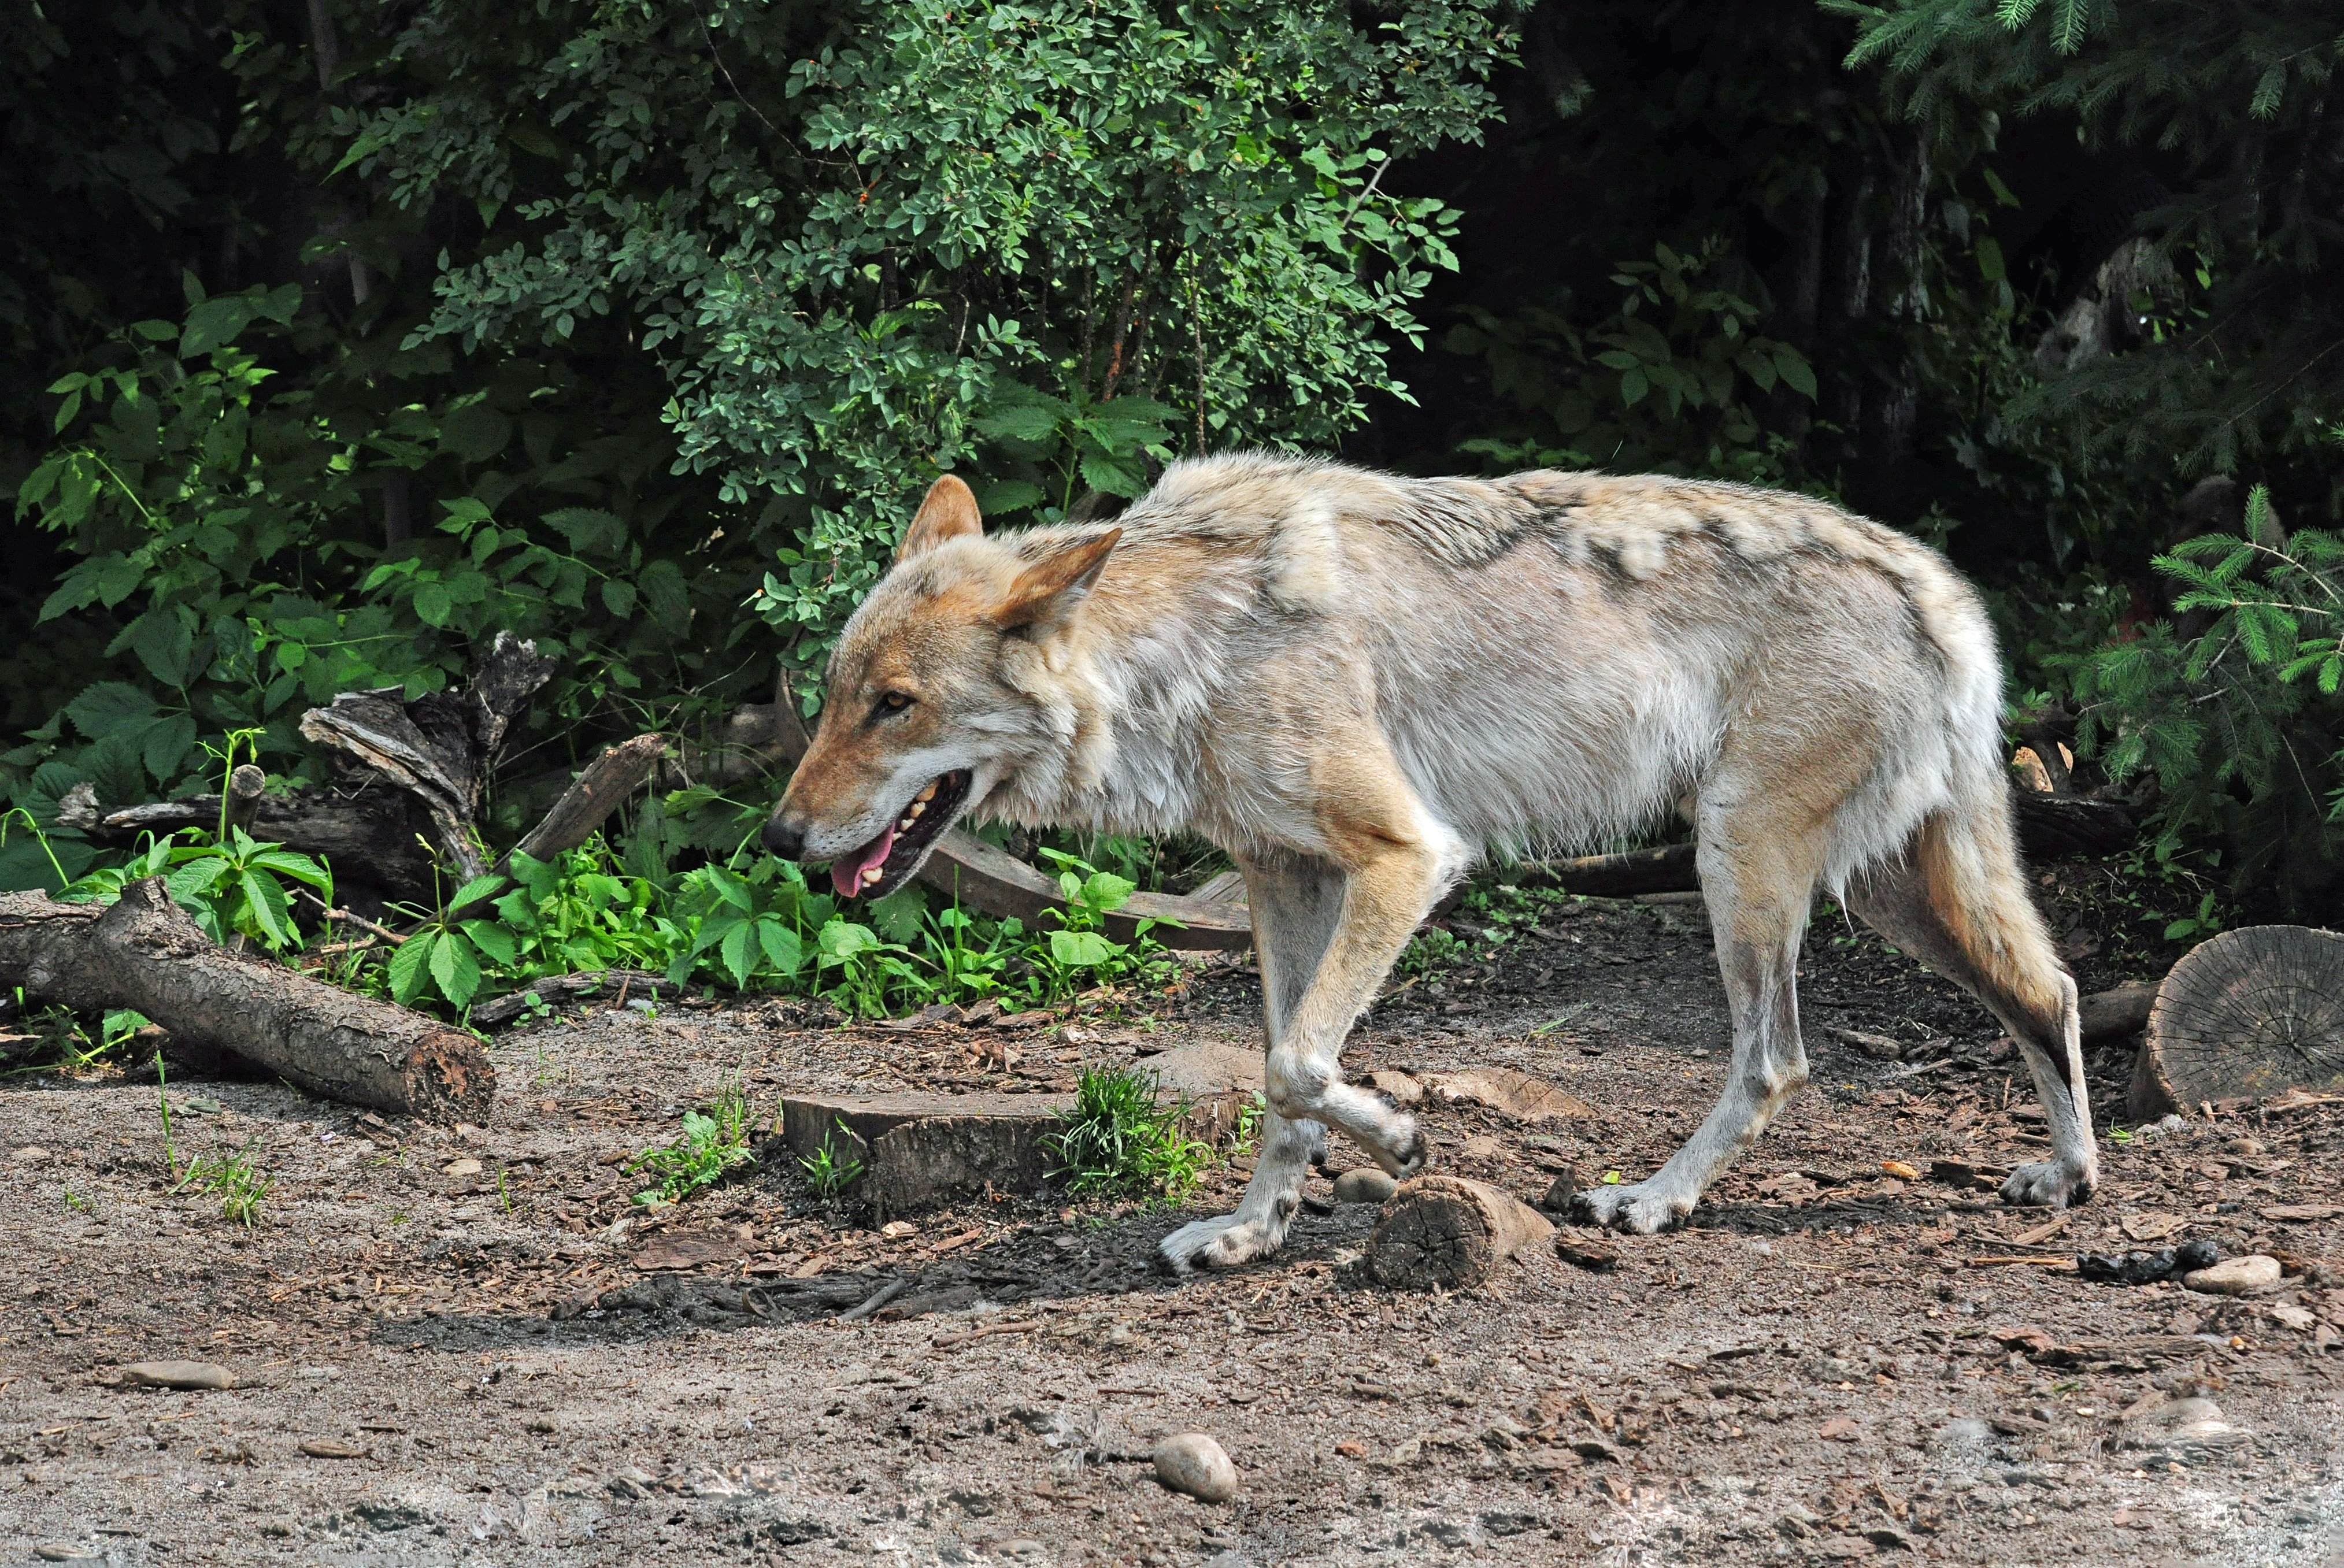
[460, 1347]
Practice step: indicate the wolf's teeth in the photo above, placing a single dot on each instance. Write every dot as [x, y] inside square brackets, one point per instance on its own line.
[871, 876]
[913, 812]
[928, 793]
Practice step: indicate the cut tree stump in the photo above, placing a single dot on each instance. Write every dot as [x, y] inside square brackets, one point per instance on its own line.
[144, 953]
[2248, 1015]
[919, 1150]
[1447, 1231]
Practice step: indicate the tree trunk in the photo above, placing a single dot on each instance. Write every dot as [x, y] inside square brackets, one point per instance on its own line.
[144, 953]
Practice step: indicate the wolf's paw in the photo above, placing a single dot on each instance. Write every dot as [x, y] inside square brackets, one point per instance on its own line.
[1407, 1151]
[1644, 1210]
[2049, 1184]
[1228, 1241]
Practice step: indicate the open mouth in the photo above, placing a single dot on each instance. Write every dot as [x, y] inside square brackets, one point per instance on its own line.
[884, 865]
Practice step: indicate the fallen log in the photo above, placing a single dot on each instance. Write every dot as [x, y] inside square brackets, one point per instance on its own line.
[2250, 1014]
[144, 953]
[2119, 1011]
[1667, 869]
[964, 867]
[558, 988]
[1447, 1231]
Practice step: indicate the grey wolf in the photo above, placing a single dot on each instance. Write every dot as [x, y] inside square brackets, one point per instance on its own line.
[1355, 684]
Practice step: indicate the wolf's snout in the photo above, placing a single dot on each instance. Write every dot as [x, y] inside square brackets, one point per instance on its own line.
[784, 837]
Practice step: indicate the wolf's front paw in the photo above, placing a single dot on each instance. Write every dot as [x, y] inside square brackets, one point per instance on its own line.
[1408, 1152]
[1229, 1242]
[2049, 1184]
[1644, 1210]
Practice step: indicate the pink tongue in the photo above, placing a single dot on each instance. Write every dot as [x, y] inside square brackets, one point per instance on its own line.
[847, 876]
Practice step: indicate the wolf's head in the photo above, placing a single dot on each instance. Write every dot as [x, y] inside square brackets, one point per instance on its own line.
[929, 702]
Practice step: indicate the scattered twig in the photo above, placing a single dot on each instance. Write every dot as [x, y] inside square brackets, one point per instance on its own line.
[1023, 1326]
[344, 915]
[2065, 1265]
[876, 1300]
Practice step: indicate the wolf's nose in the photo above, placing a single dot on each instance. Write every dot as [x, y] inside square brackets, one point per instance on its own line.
[783, 840]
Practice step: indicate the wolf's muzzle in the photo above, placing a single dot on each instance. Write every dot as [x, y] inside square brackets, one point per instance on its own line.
[783, 839]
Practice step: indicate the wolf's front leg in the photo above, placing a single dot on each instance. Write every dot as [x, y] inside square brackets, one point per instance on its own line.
[1257, 1228]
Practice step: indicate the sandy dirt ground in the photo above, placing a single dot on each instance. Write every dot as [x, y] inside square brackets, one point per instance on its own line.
[447, 1348]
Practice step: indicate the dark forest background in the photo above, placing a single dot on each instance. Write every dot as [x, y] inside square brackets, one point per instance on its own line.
[339, 335]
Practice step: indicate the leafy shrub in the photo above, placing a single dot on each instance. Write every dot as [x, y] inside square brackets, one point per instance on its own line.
[1666, 381]
[2242, 726]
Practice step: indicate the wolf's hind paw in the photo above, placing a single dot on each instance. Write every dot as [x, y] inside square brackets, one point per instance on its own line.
[1642, 1209]
[1225, 1242]
[2047, 1184]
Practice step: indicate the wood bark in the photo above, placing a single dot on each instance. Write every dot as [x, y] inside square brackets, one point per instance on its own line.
[1447, 1231]
[2247, 1015]
[596, 793]
[145, 953]
[982, 877]
[367, 832]
[1668, 869]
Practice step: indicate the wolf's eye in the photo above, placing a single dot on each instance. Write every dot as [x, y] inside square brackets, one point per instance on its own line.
[894, 703]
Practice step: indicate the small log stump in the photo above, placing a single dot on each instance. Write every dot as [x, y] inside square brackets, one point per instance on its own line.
[2248, 1015]
[144, 953]
[1447, 1231]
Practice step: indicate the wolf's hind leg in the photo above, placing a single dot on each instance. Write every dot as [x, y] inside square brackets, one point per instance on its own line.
[1958, 903]
[1758, 878]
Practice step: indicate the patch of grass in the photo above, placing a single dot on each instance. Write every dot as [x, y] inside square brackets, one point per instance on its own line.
[826, 1173]
[712, 1145]
[1117, 1139]
[235, 1180]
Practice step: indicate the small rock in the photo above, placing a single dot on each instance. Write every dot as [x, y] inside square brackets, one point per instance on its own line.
[1402, 1089]
[1482, 1146]
[467, 1166]
[1193, 1464]
[1351, 1447]
[2236, 1277]
[1365, 1184]
[2299, 1319]
[1962, 1435]
[58, 1552]
[31, 1154]
[896, 1229]
[180, 1375]
[2245, 1148]
[333, 1448]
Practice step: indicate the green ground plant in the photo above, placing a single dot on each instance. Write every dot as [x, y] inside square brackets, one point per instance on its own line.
[235, 1180]
[713, 1143]
[1117, 1139]
[827, 1171]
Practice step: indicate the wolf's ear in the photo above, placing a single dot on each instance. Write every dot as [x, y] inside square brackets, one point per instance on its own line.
[949, 513]
[1046, 594]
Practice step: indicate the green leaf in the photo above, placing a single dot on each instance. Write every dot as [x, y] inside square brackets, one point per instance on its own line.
[1797, 372]
[740, 953]
[265, 900]
[476, 433]
[164, 643]
[782, 946]
[215, 323]
[619, 598]
[1104, 890]
[493, 940]
[1081, 949]
[472, 892]
[294, 863]
[840, 940]
[108, 706]
[454, 969]
[665, 596]
[999, 498]
[168, 744]
[1021, 423]
[432, 604]
[410, 966]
